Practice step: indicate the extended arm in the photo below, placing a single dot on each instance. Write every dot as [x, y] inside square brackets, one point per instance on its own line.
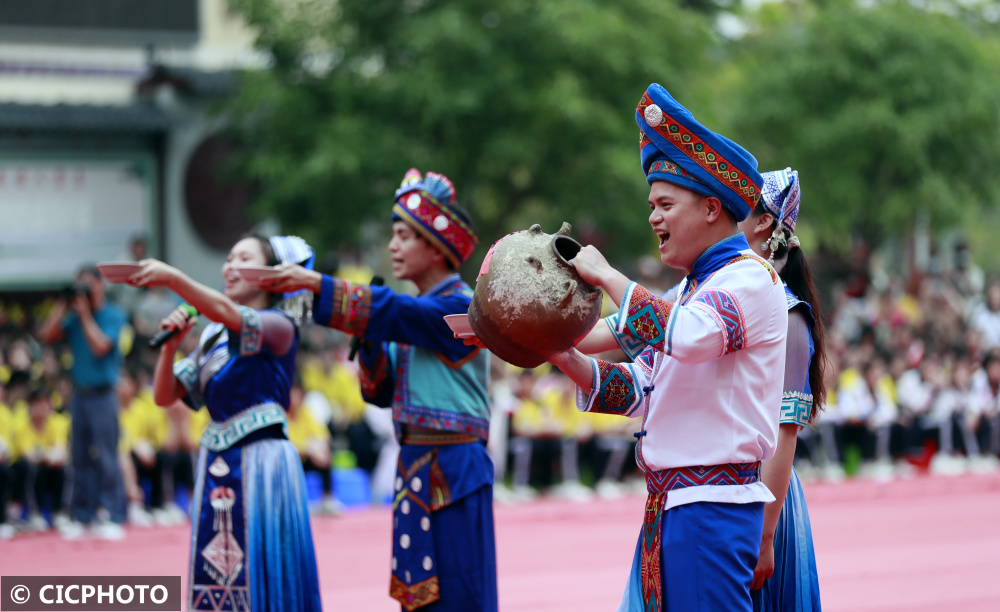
[51, 330]
[277, 332]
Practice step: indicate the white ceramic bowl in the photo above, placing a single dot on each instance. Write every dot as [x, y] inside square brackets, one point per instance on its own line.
[118, 271]
[459, 323]
[253, 274]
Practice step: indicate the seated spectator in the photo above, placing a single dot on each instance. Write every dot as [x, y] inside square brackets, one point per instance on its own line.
[331, 374]
[7, 530]
[41, 450]
[984, 413]
[178, 456]
[144, 430]
[986, 318]
[866, 412]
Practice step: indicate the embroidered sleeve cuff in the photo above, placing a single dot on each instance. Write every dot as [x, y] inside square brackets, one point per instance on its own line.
[614, 389]
[623, 307]
[343, 305]
[251, 332]
[796, 408]
[629, 345]
[187, 374]
[644, 316]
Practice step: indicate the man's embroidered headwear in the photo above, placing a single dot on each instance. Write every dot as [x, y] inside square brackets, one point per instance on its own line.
[780, 195]
[674, 147]
[427, 204]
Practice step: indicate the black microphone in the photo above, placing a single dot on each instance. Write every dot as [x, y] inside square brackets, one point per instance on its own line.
[166, 334]
[377, 281]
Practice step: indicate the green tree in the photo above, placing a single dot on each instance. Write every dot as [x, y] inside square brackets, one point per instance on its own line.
[527, 105]
[885, 111]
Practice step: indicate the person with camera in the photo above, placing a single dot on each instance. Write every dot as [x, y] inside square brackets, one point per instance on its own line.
[91, 325]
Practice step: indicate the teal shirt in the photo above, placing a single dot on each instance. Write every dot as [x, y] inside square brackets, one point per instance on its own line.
[88, 370]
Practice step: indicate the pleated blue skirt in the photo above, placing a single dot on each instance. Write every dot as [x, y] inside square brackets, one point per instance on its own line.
[794, 586]
[252, 547]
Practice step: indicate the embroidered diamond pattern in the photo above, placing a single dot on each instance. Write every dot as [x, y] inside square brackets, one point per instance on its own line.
[645, 325]
[617, 392]
[224, 554]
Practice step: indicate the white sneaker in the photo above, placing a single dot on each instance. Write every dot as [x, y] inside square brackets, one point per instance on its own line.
[110, 531]
[331, 506]
[609, 489]
[572, 490]
[904, 469]
[60, 520]
[138, 516]
[175, 514]
[947, 465]
[74, 530]
[523, 493]
[7, 531]
[503, 494]
[833, 472]
[983, 464]
[37, 522]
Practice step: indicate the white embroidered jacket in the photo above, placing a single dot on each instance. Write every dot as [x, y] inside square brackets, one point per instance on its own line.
[709, 383]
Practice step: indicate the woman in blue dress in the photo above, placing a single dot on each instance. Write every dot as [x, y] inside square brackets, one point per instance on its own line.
[251, 545]
[785, 578]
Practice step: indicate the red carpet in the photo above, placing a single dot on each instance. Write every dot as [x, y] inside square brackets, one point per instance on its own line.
[915, 545]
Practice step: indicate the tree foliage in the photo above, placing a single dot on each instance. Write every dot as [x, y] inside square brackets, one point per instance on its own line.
[527, 105]
[884, 111]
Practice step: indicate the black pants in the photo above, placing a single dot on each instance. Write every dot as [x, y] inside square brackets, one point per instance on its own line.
[363, 443]
[178, 471]
[325, 473]
[154, 474]
[47, 485]
[5, 485]
[856, 435]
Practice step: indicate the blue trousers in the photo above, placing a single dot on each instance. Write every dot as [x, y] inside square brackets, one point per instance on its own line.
[466, 555]
[97, 477]
[709, 554]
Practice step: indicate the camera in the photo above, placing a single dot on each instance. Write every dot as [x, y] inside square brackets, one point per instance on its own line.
[74, 290]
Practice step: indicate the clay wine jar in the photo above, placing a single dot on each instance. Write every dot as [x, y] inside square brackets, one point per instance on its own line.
[529, 302]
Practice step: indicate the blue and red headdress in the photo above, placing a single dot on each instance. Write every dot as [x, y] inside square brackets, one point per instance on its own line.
[674, 147]
[427, 204]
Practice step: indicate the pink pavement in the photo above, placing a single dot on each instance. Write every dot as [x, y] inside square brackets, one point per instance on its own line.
[926, 544]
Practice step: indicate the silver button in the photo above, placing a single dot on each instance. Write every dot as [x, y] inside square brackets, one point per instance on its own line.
[653, 115]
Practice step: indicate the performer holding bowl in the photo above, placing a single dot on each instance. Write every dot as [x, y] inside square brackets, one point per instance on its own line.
[252, 547]
[705, 384]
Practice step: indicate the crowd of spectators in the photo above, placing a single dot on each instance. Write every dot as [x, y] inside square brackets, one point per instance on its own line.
[914, 387]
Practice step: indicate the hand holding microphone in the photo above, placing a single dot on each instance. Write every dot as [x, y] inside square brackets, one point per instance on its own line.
[179, 320]
[377, 281]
